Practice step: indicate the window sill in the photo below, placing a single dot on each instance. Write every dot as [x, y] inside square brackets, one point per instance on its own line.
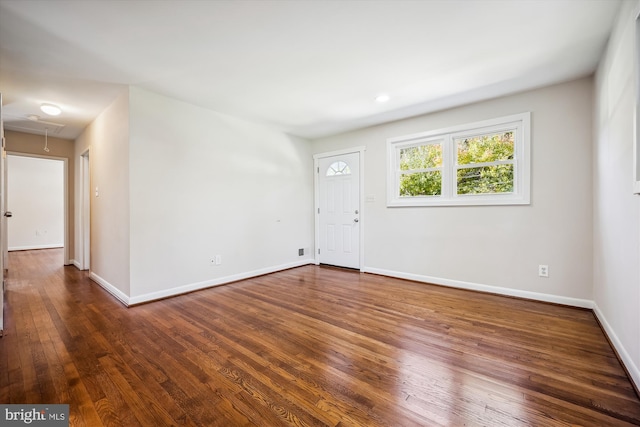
[461, 201]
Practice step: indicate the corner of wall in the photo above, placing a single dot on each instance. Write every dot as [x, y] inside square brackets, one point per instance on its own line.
[107, 138]
[616, 211]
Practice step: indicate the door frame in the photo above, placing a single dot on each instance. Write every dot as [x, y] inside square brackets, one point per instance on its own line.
[84, 210]
[3, 219]
[316, 198]
[65, 183]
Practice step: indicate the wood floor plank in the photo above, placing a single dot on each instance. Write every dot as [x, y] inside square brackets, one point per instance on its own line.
[311, 346]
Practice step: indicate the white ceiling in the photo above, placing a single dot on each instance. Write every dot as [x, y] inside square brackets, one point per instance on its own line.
[310, 68]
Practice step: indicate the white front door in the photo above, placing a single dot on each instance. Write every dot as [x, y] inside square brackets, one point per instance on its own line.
[339, 210]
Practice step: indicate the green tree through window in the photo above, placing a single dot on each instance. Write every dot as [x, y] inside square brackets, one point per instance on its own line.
[482, 163]
[485, 163]
[421, 170]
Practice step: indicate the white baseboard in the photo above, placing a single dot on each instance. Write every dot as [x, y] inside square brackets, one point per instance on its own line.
[33, 247]
[627, 360]
[77, 264]
[139, 299]
[557, 299]
[110, 288]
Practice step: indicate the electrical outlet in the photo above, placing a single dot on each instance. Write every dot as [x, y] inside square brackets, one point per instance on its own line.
[301, 252]
[543, 270]
[218, 259]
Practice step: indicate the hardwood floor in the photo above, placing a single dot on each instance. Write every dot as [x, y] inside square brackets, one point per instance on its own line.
[308, 346]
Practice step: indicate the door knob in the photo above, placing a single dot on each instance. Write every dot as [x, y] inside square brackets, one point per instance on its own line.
[8, 214]
[356, 220]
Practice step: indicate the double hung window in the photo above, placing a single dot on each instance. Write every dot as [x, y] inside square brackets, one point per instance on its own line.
[482, 163]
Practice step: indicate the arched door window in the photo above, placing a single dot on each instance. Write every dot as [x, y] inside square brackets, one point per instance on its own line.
[338, 168]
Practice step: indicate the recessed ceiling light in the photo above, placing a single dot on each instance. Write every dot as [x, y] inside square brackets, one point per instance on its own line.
[50, 109]
[383, 97]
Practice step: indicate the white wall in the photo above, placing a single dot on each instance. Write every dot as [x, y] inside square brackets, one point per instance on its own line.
[108, 139]
[205, 184]
[494, 248]
[36, 199]
[616, 261]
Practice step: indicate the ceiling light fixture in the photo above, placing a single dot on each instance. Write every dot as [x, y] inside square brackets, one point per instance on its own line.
[383, 97]
[50, 109]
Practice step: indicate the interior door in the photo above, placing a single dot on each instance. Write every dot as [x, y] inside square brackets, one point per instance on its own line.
[339, 210]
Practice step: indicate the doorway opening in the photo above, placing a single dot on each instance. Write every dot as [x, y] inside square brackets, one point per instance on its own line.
[37, 195]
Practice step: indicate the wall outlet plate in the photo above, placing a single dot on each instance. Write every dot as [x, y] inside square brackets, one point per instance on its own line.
[543, 270]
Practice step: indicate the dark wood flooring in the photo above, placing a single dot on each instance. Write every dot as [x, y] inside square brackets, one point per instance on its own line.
[306, 347]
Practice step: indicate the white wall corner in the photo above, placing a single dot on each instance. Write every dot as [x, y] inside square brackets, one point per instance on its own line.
[117, 293]
[76, 264]
[632, 368]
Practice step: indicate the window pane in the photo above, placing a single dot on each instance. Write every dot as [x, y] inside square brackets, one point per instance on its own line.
[421, 157]
[485, 148]
[421, 184]
[338, 168]
[488, 179]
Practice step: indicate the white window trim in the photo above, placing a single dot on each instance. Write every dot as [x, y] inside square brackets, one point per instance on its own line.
[522, 164]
